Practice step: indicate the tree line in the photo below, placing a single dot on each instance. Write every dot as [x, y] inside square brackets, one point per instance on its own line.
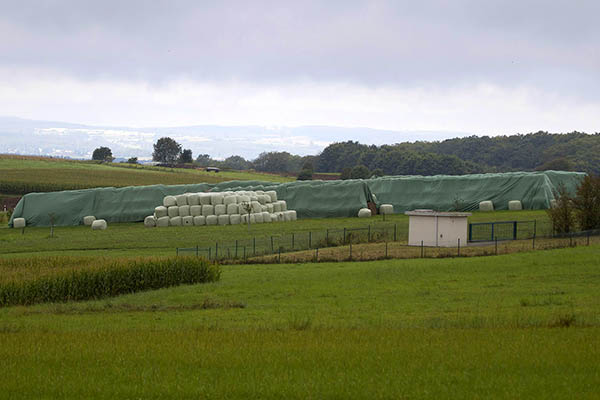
[574, 151]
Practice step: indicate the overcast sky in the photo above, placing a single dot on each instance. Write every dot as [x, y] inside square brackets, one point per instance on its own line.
[483, 67]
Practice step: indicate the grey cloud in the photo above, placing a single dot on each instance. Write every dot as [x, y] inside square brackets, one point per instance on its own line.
[551, 44]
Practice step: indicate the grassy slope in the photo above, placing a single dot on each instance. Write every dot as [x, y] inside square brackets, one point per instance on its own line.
[478, 327]
[25, 172]
[135, 239]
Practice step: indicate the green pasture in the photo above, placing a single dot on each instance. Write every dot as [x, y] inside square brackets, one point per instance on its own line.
[133, 239]
[20, 175]
[514, 326]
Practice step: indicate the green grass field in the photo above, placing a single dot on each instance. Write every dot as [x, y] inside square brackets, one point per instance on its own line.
[20, 174]
[513, 326]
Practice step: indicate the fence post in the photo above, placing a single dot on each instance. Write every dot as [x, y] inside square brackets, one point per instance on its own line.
[533, 242]
[317, 254]
[272, 248]
[309, 239]
[458, 247]
[395, 225]
[470, 231]
[493, 236]
[209, 251]
[515, 230]
[351, 249]
[236, 248]
[369, 234]
[293, 239]
[216, 250]
[177, 251]
[254, 245]
[196, 250]
[422, 249]
[279, 256]
[244, 253]
[327, 237]
[496, 242]
[386, 252]
[588, 238]
[534, 227]
[570, 240]
[344, 235]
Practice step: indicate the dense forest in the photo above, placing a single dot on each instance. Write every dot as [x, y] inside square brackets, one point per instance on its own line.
[574, 151]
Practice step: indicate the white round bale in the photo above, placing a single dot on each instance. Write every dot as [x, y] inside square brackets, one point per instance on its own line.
[272, 194]
[169, 201]
[204, 199]
[88, 219]
[235, 219]
[293, 214]
[364, 213]
[258, 218]
[386, 209]
[99, 225]
[283, 205]
[263, 208]
[150, 221]
[227, 200]
[160, 211]
[193, 199]
[256, 208]
[223, 219]
[188, 220]
[212, 220]
[243, 199]
[486, 206]
[515, 205]
[233, 209]
[162, 221]
[274, 217]
[184, 211]
[276, 207]
[175, 221]
[270, 208]
[207, 210]
[266, 217]
[199, 220]
[19, 223]
[173, 211]
[181, 200]
[195, 210]
[216, 198]
[220, 209]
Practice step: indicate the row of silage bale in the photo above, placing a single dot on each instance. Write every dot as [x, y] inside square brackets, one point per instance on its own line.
[488, 205]
[220, 208]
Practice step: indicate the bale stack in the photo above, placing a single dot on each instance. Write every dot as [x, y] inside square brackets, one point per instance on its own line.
[220, 208]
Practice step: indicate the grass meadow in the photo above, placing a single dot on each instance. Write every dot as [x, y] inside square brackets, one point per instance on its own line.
[23, 174]
[512, 326]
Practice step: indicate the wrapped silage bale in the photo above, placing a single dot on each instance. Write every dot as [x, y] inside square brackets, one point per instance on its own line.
[276, 207]
[223, 219]
[266, 217]
[486, 206]
[253, 197]
[280, 216]
[235, 219]
[272, 194]
[263, 208]
[212, 220]
[88, 219]
[252, 218]
[184, 211]
[150, 221]
[364, 213]
[515, 205]
[244, 218]
[220, 209]
[216, 198]
[293, 215]
[258, 218]
[99, 225]
[175, 221]
[162, 221]
[19, 223]
[243, 199]
[286, 216]
[270, 208]
[195, 210]
[274, 217]
[188, 220]
[227, 200]
[204, 199]
[173, 211]
[256, 208]
[259, 192]
[160, 211]
[169, 201]
[263, 199]
[207, 210]
[181, 200]
[199, 220]
[283, 205]
[232, 209]
[193, 199]
[386, 209]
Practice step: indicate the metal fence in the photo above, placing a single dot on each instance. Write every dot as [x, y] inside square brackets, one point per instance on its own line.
[502, 230]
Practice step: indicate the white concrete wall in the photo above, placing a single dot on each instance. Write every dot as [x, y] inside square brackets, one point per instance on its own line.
[450, 229]
[421, 228]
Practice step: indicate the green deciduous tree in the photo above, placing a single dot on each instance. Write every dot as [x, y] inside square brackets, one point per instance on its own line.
[186, 157]
[166, 150]
[102, 154]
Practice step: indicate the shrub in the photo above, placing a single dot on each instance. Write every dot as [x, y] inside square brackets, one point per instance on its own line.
[586, 203]
[561, 214]
[109, 281]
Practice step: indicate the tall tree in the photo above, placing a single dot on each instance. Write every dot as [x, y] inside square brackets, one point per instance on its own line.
[166, 150]
[186, 157]
[102, 154]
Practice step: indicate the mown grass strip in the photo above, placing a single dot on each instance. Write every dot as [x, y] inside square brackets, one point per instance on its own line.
[109, 281]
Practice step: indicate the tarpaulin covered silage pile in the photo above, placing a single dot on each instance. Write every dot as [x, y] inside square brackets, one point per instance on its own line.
[311, 199]
[535, 190]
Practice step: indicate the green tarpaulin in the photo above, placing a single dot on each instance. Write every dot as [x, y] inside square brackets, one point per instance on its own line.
[310, 199]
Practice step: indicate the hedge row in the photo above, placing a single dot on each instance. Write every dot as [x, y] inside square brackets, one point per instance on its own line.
[109, 281]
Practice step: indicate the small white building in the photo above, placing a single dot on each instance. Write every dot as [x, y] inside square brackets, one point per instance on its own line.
[439, 229]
